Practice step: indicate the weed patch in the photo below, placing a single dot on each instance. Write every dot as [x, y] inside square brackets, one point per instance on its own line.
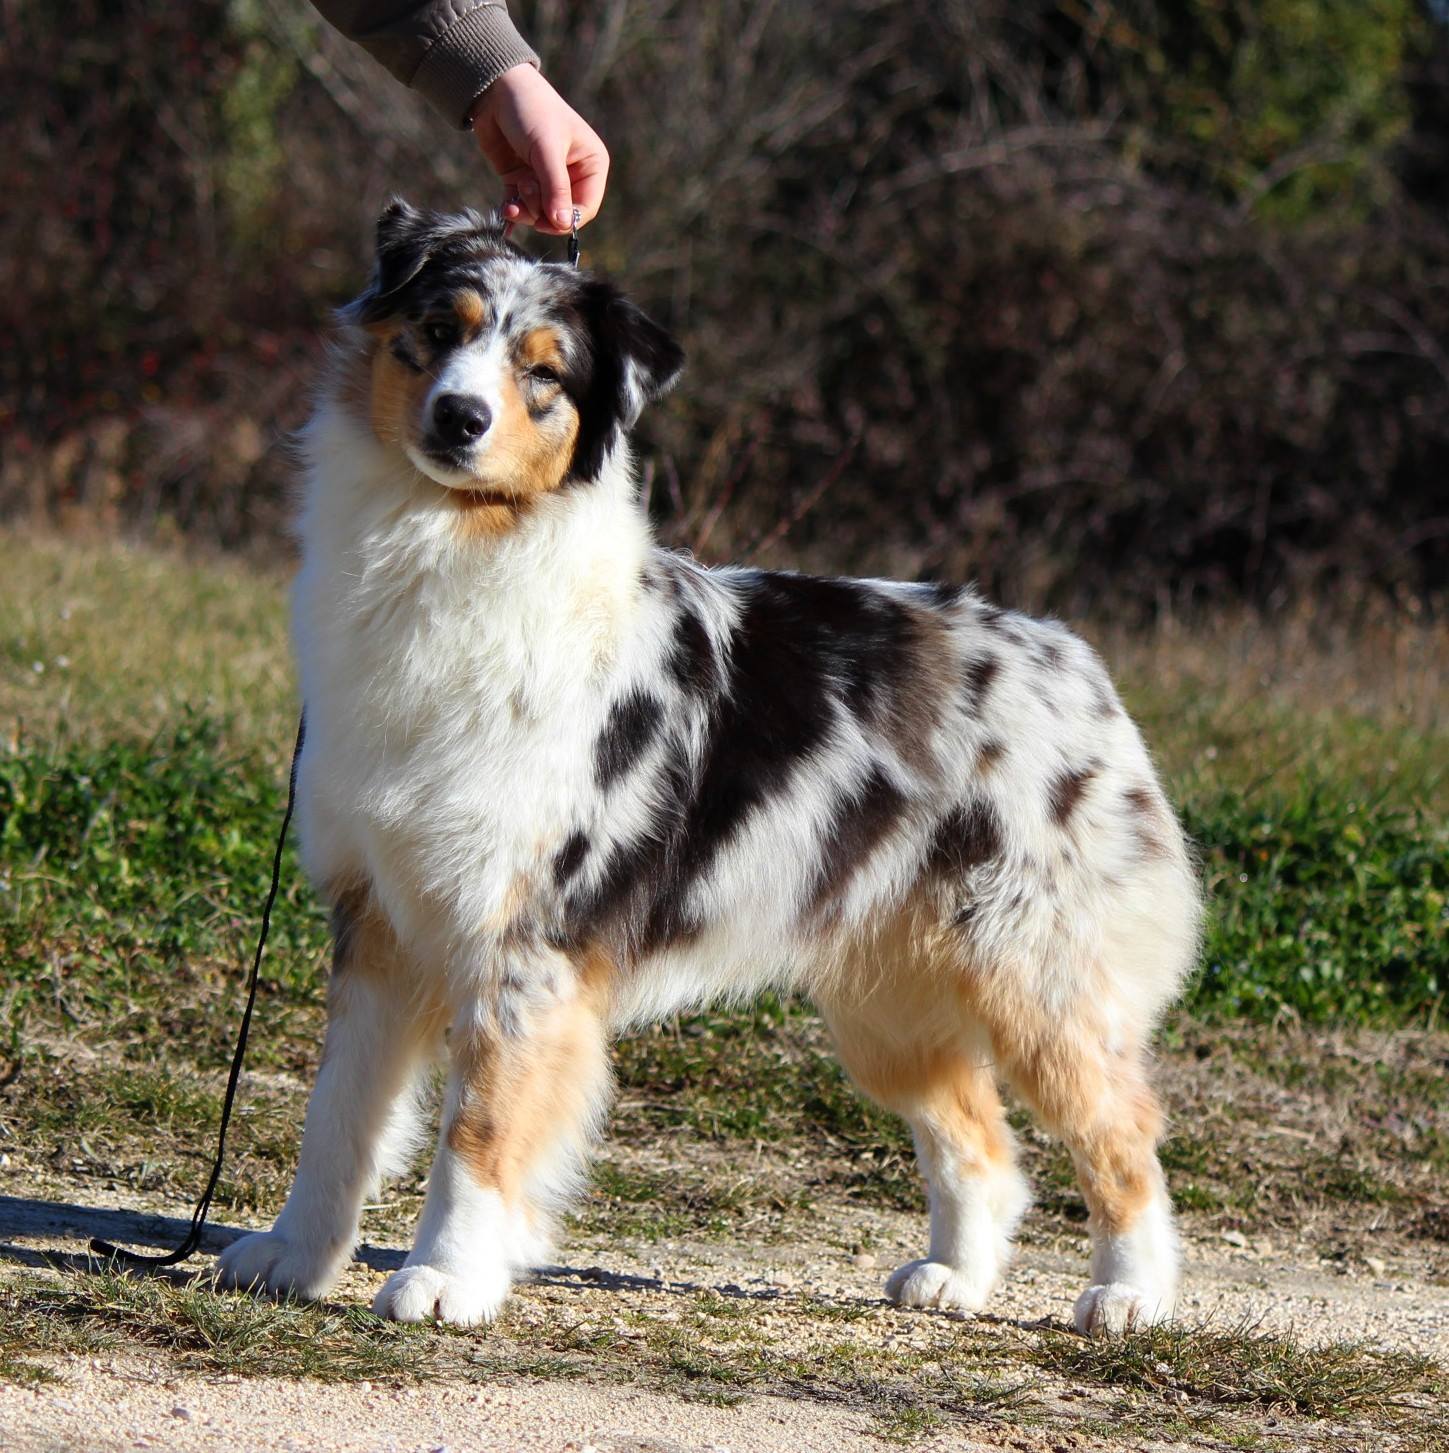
[1322, 903]
[203, 1331]
[1245, 1366]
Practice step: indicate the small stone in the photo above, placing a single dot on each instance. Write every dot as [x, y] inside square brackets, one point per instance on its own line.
[863, 1261]
[1375, 1264]
[364, 1387]
[185, 1414]
[1235, 1238]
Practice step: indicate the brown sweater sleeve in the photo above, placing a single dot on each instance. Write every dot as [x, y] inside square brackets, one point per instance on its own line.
[450, 51]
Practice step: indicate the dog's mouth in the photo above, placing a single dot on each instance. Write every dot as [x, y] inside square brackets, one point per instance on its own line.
[450, 468]
[448, 458]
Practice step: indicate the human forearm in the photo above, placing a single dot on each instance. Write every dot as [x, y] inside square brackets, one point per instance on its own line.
[450, 51]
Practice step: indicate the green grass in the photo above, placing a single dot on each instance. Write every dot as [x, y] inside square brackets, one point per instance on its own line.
[1326, 902]
[131, 878]
[131, 874]
[147, 701]
[139, 796]
[128, 863]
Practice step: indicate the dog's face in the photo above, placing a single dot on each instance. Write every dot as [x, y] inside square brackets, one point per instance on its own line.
[495, 375]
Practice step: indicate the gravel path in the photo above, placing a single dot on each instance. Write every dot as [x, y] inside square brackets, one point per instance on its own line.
[123, 1402]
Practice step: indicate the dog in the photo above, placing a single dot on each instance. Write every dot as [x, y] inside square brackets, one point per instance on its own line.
[559, 782]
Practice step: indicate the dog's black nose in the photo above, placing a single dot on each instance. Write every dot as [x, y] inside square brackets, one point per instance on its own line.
[459, 420]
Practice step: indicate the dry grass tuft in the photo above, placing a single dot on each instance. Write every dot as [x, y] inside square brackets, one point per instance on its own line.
[1244, 1366]
[202, 1331]
[106, 641]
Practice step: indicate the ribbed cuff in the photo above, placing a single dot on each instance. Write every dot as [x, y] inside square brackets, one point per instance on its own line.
[467, 58]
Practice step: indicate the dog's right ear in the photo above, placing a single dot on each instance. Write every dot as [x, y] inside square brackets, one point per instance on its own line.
[405, 239]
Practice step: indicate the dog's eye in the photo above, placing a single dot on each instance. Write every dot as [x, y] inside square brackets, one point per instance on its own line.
[542, 373]
[441, 333]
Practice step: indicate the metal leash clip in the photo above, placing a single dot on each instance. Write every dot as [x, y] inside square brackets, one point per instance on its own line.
[574, 240]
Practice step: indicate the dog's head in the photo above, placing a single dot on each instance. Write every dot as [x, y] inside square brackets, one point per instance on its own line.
[495, 374]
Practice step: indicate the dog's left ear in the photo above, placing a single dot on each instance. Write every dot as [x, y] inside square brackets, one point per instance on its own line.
[635, 362]
[405, 239]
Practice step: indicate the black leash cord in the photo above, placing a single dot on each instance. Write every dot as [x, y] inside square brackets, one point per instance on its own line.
[192, 1238]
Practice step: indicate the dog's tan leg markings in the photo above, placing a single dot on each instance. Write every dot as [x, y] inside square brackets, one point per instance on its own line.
[359, 1118]
[947, 1093]
[526, 1093]
[520, 1098]
[1094, 1095]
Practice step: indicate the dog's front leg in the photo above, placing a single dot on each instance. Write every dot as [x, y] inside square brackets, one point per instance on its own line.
[528, 1085]
[380, 1038]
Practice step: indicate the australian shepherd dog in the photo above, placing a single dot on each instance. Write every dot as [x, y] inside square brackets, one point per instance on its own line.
[559, 782]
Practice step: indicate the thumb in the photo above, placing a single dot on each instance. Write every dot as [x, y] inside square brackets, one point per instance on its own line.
[550, 165]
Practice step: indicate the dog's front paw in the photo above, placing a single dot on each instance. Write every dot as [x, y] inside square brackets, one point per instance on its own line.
[934, 1284]
[268, 1261]
[1111, 1308]
[429, 1294]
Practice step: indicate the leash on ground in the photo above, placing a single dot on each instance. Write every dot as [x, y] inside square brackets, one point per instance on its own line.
[192, 1239]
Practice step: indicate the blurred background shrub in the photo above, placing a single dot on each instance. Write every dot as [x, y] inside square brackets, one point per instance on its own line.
[1103, 302]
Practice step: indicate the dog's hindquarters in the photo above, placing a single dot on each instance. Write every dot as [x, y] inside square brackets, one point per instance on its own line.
[1054, 988]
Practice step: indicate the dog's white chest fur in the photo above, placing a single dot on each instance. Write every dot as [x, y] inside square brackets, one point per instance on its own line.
[453, 694]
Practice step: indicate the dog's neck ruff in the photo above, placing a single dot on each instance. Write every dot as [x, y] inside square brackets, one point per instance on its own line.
[553, 596]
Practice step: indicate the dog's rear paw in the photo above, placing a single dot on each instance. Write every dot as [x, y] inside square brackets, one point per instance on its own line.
[1112, 1308]
[934, 1284]
[267, 1261]
[428, 1294]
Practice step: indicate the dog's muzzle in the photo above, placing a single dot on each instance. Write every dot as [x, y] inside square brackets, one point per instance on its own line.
[458, 422]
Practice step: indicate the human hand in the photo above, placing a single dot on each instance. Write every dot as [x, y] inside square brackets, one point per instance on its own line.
[546, 154]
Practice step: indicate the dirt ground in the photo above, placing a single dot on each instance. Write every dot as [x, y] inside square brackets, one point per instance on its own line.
[1392, 1295]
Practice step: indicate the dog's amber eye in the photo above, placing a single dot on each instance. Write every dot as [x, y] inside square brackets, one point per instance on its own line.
[441, 333]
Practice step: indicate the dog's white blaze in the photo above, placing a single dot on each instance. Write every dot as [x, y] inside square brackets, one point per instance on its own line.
[476, 371]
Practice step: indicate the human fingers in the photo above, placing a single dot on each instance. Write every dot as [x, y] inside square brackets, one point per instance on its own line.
[550, 167]
[589, 174]
[522, 198]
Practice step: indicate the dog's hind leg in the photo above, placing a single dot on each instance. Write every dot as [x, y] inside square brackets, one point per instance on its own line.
[528, 1085]
[1085, 1075]
[946, 1091]
[379, 1041]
